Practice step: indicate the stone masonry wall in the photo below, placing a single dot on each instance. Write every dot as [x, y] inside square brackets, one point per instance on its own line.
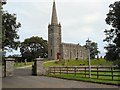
[9, 67]
[73, 51]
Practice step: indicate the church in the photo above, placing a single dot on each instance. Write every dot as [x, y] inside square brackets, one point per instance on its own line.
[59, 50]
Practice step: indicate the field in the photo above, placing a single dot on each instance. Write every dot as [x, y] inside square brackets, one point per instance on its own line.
[95, 62]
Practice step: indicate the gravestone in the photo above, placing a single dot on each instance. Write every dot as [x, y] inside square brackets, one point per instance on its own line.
[9, 67]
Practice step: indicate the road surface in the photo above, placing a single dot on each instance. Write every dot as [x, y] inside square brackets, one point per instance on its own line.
[24, 79]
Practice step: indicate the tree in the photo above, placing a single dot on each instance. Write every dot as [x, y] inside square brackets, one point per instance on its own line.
[111, 54]
[2, 2]
[9, 31]
[113, 35]
[34, 47]
[93, 47]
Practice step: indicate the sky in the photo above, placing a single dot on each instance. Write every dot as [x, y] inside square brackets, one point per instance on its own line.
[80, 19]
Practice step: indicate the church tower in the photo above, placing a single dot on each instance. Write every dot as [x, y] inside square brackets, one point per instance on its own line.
[54, 36]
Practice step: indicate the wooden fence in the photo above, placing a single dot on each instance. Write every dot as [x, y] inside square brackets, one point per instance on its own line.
[84, 70]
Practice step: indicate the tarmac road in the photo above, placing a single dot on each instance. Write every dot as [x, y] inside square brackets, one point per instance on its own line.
[24, 79]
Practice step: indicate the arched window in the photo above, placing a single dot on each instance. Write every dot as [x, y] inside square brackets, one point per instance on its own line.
[80, 53]
[74, 52]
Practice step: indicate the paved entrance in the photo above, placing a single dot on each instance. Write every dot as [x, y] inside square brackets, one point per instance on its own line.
[23, 72]
[23, 79]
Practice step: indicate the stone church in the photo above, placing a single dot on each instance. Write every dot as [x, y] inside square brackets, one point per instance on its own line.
[59, 50]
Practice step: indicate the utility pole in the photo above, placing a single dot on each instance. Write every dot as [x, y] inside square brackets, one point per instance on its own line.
[89, 61]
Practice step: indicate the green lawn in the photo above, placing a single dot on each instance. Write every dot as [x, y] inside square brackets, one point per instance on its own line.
[21, 64]
[81, 77]
[79, 62]
[69, 63]
[102, 79]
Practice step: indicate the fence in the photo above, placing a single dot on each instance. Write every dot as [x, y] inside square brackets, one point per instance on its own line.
[84, 70]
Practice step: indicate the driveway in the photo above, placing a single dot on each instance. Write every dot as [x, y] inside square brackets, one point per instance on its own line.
[23, 79]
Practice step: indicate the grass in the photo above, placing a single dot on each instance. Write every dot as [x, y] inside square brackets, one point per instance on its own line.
[81, 77]
[22, 64]
[45, 60]
[102, 79]
[79, 62]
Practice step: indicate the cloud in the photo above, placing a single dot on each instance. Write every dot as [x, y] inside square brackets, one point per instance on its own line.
[29, 0]
[80, 19]
[91, 18]
[87, 30]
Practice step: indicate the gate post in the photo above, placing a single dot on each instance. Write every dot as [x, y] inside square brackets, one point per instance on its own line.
[9, 67]
[38, 68]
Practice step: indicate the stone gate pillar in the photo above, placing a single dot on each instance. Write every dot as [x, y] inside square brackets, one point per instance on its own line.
[9, 67]
[38, 68]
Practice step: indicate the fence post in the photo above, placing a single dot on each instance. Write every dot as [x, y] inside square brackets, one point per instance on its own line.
[54, 70]
[49, 70]
[67, 70]
[97, 72]
[85, 71]
[60, 70]
[75, 70]
[112, 72]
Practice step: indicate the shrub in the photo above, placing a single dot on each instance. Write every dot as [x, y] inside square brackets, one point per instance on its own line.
[117, 62]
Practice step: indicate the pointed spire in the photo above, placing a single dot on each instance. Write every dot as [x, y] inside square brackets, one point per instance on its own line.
[54, 14]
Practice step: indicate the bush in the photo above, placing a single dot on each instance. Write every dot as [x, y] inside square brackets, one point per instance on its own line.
[117, 62]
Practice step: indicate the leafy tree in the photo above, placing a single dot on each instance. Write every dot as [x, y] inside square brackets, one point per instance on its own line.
[8, 34]
[113, 35]
[111, 54]
[9, 31]
[93, 47]
[34, 47]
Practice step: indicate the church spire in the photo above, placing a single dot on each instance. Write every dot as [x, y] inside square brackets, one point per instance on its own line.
[54, 14]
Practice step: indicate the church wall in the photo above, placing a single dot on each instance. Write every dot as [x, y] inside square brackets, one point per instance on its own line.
[73, 51]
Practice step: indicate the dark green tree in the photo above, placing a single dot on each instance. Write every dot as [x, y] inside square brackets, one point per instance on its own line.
[34, 47]
[93, 47]
[111, 55]
[9, 31]
[113, 34]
